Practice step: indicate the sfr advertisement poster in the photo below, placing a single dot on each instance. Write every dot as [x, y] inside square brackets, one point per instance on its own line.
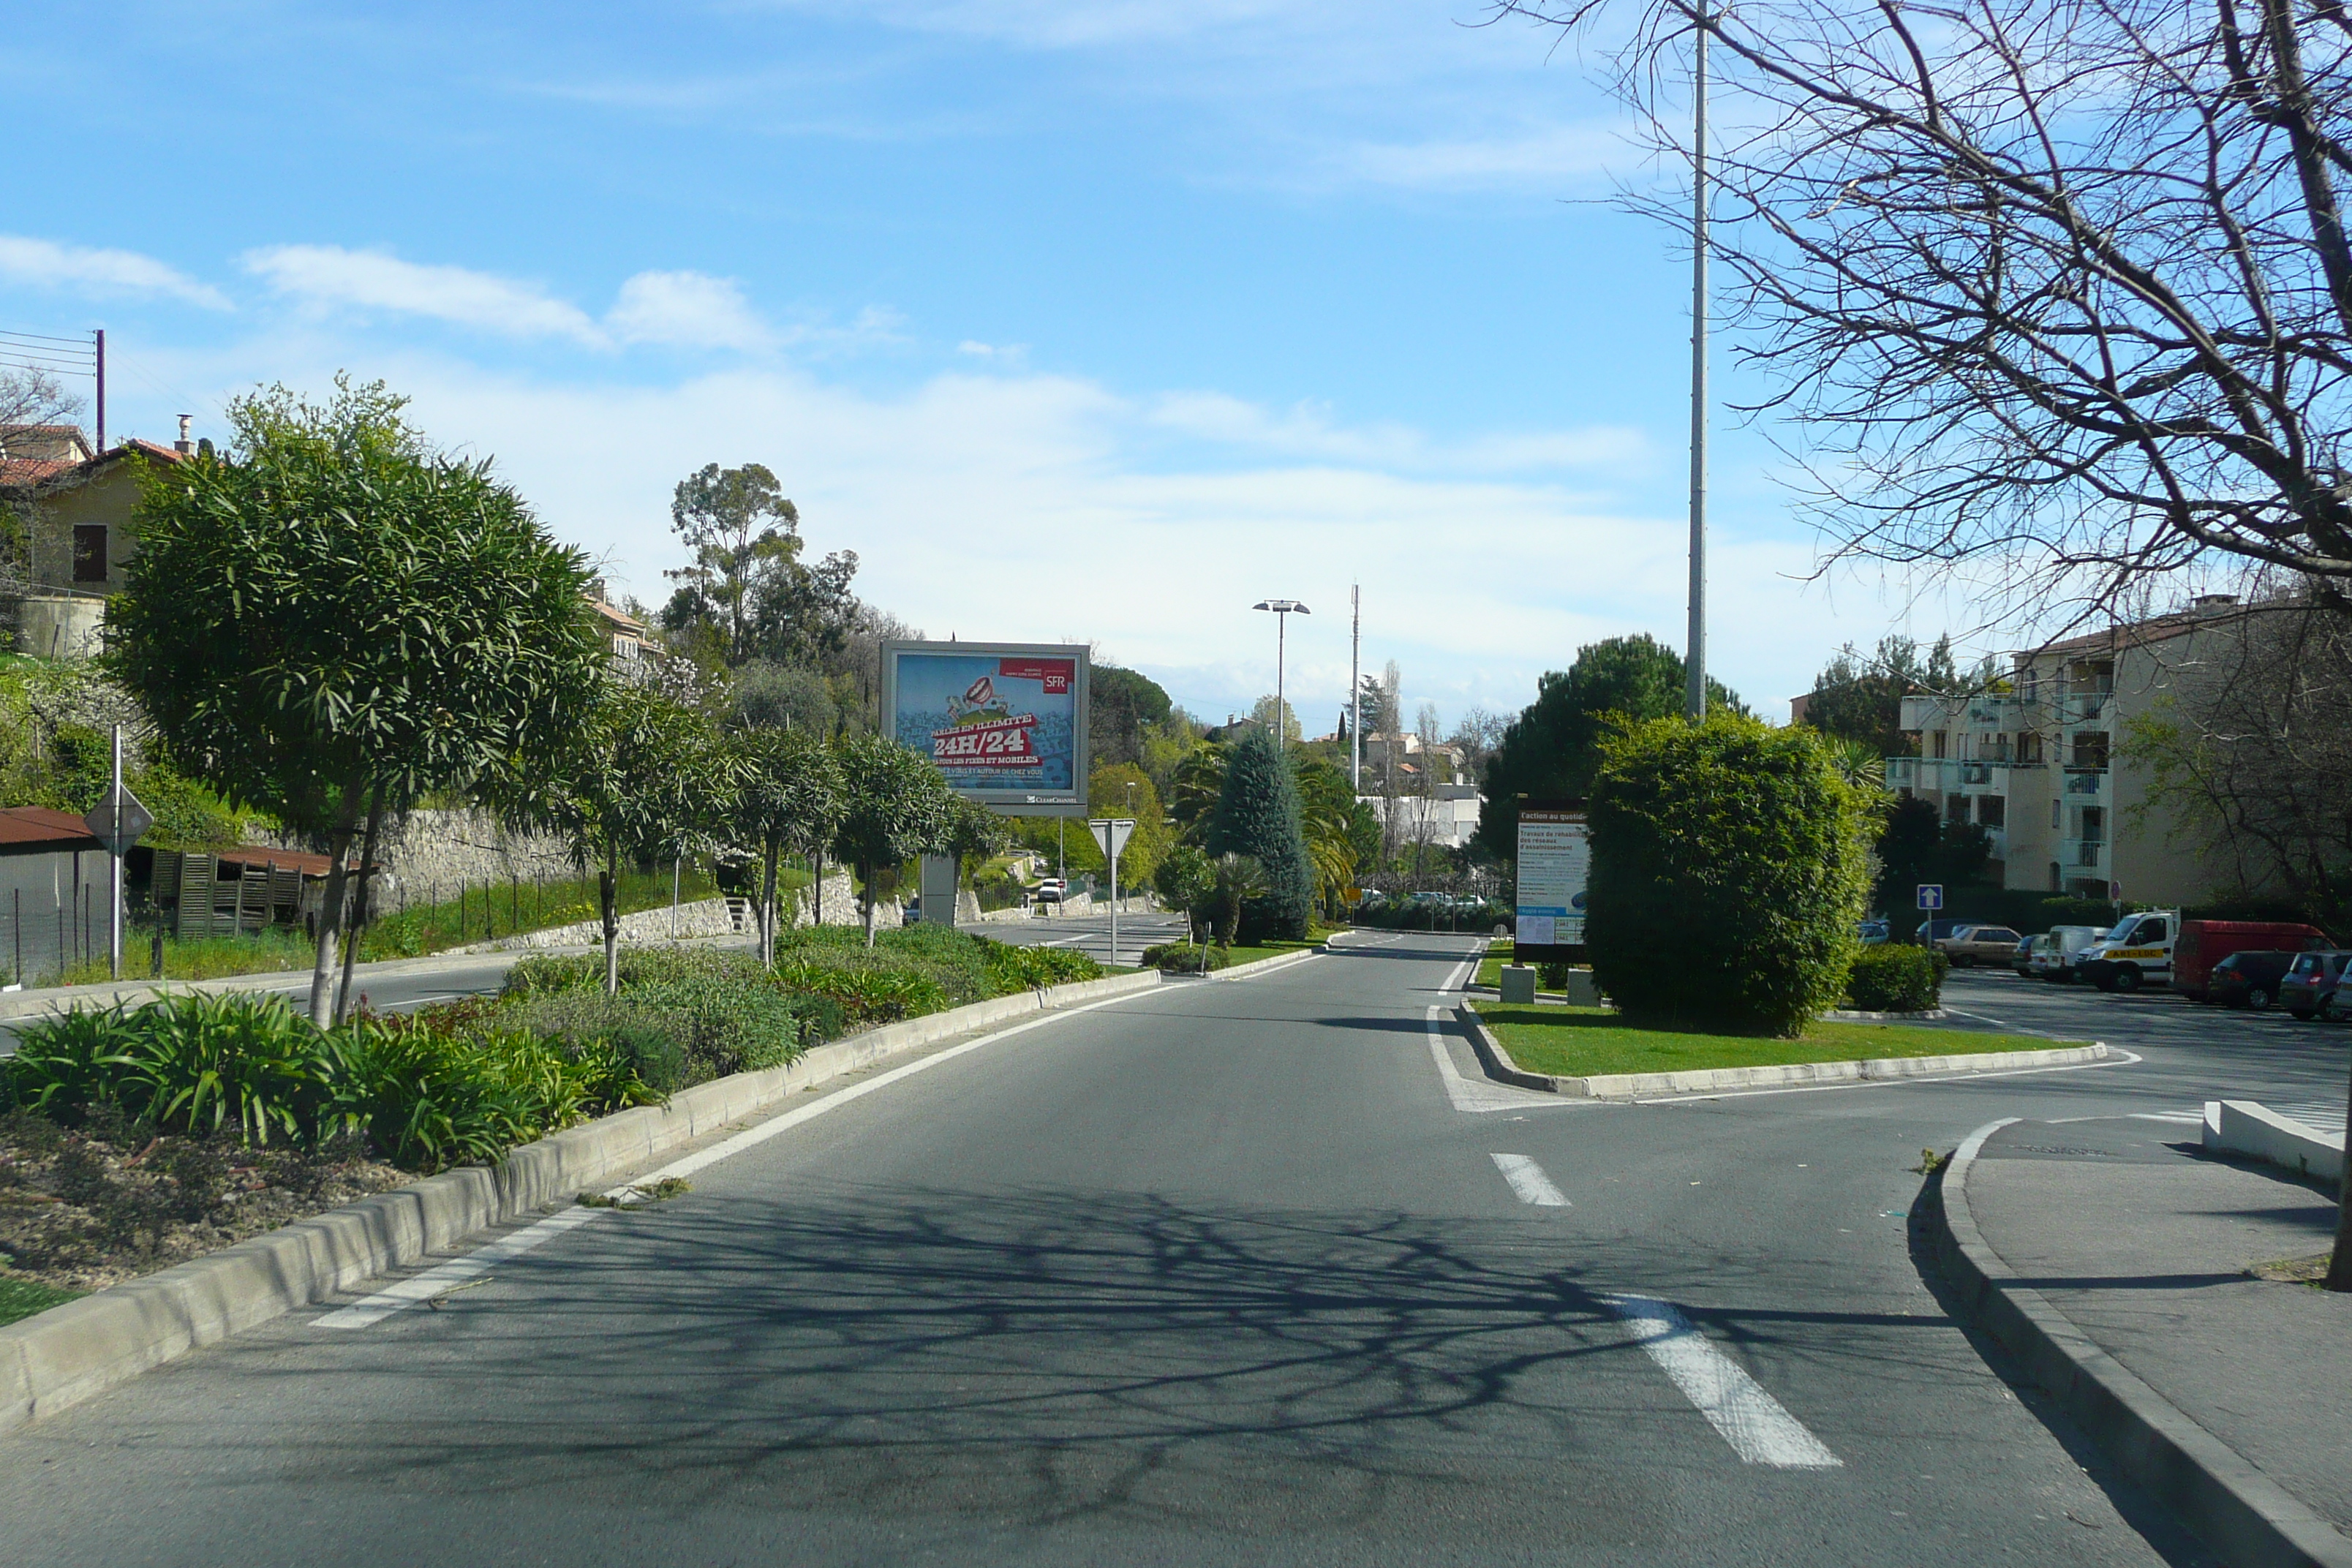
[994, 722]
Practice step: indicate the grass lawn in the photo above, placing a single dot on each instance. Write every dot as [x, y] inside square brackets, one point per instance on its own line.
[23, 1298]
[1583, 1042]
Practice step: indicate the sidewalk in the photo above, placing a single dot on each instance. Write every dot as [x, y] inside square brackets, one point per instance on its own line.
[2140, 1243]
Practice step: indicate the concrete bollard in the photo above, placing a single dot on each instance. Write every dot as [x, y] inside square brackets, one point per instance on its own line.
[1519, 985]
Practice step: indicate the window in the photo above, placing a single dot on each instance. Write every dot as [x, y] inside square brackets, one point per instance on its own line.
[1956, 809]
[1992, 810]
[2090, 748]
[2055, 808]
[89, 553]
[1943, 740]
[2149, 930]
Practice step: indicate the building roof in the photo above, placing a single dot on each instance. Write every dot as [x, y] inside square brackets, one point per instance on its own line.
[618, 619]
[44, 827]
[29, 474]
[300, 860]
[2139, 634]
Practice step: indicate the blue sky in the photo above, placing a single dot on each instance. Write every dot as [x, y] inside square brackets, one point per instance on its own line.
[1096, 321]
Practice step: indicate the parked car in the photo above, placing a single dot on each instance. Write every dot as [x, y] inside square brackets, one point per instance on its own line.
[2204, 944]
[2307, 989]
[2248, 979]
[2021, 958]
[1929, 932]
[2067, 944]
[1051, 890]
[1873, 932]
[1980, 945]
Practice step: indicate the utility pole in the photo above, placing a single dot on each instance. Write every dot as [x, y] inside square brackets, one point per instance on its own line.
[101, 335]
[1356, 690]
[1695, 646]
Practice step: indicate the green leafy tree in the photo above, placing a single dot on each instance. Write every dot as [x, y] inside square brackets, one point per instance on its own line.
[1729, 867]
[1258, 816]
[1199, 784]
[1234, 880]
[767, 695]
[896, 806]
[788, 798]
[1186, 880]
[1124, 707]
[1343, 836]
[330, 620]
[749, 593]
[1552, 750]
[1859, 697]
[633, 782]
[973, 833]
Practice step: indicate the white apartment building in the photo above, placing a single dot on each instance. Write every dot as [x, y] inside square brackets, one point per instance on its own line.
[2037, 762]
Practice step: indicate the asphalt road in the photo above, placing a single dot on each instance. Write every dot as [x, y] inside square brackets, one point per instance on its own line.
[1089, 933]
[1251, 1270]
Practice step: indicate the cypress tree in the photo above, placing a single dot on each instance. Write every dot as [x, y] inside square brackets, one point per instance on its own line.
[1257, 816]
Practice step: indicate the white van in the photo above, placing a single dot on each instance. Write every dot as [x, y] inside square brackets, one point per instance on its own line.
[2065, 950]
[2138, 952]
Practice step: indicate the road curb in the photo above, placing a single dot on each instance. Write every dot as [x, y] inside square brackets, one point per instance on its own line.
[1717, 1080]
[57, 1359]
[64, 998]
[2244, 1515]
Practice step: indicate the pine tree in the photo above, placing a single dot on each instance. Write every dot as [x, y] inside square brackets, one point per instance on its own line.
[1257, 816]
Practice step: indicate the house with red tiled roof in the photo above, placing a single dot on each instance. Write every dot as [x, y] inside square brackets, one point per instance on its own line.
[77, 506]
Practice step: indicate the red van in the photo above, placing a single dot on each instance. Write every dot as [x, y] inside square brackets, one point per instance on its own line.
[2204, 944]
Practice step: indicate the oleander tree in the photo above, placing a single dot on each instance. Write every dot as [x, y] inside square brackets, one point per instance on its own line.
[787, 799]
[330, 619]
[895, 807]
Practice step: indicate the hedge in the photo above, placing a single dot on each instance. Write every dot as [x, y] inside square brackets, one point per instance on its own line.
[1896, 979]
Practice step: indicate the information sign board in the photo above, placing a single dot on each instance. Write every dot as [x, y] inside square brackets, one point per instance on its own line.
[1931, 895]
[1005, 722]
[1555, 860]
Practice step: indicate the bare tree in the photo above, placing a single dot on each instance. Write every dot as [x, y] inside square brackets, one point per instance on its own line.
[2059, 289]
[2253, 756]
[28, 398]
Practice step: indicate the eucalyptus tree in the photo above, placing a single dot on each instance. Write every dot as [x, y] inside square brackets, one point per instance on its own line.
[895, 805]
[787, 798]
[637, 778]
[330, 620]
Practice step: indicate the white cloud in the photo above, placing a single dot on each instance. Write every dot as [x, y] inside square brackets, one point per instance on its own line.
[1543, 155]
[1308, 431]
[328, 275]
[690, 309]
[45, 263]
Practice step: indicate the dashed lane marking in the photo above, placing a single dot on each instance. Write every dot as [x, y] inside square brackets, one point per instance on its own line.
[1527, 1180]
[1760, 1430]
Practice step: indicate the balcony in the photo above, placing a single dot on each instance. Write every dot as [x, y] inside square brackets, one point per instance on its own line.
[2083, 853]
[2086, 781]
[1948, 773]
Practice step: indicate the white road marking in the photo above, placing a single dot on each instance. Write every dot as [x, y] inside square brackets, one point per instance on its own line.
[442, 1278]
[437, 1280]
[1754, 1423]
[1477, 1095]
[1527, 1180]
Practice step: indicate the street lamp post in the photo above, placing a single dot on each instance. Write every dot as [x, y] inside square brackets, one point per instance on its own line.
[1283, 610]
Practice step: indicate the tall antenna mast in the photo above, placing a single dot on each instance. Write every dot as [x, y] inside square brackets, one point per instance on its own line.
[1356, 691]
[1694, 647]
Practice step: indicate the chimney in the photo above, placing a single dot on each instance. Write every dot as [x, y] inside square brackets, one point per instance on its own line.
[185, 448]
[2213, 604]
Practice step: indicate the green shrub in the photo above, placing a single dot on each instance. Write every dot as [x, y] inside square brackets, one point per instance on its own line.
[1730, 869]
[1186, 958]
[1896, 978]
[183, 1064]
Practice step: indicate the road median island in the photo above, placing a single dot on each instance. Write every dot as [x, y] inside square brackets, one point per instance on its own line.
[68, 1353]
[1592, 1053]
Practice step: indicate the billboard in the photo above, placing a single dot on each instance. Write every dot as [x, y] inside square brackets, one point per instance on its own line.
[1555, 859]
[1006, 723]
